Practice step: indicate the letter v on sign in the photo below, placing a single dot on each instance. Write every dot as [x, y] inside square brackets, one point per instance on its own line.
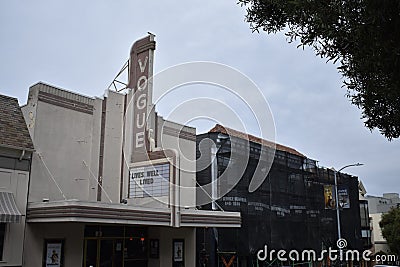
[141, 65]
[229, 264]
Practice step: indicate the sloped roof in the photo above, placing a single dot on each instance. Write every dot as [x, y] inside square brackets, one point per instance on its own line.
[225, 130]
[13, 130]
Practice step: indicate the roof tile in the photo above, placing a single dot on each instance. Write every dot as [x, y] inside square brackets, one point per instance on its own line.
[13, 129]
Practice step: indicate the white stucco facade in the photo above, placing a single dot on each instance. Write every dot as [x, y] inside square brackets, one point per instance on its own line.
[82, 164]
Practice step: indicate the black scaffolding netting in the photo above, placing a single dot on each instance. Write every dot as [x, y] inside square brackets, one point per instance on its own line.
[290, 209]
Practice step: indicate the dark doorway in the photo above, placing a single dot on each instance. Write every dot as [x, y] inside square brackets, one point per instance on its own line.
[101, 252]
[107, 246]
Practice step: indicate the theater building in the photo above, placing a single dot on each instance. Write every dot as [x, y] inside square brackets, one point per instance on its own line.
[109, 186]
[292, 209]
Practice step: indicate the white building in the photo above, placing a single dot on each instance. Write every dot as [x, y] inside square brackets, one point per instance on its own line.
[382, 204]
[379, 205]
[15, 160]
[110, 185]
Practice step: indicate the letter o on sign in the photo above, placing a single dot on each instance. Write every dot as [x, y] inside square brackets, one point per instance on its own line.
[142, 83]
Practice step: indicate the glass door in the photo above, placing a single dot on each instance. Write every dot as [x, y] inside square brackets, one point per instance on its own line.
[90, 253]
[103, 253]
[115, 246]
[106, 257]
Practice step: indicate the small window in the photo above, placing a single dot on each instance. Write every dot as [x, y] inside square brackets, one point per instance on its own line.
[2, 235]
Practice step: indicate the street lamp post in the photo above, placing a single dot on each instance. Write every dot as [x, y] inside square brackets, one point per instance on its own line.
[337, 199]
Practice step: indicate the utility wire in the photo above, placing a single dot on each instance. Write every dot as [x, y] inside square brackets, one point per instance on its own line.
[209, 196]
[51, 176]
[94, 177]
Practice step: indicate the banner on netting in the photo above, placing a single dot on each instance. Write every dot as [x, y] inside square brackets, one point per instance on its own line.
[329, 197]
[343, 197]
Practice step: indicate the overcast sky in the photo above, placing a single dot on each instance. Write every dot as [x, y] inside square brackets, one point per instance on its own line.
[81, 46]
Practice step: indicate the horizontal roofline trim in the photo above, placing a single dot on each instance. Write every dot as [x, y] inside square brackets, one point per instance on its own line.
[62, 89]
[226, 130]
[18, 148]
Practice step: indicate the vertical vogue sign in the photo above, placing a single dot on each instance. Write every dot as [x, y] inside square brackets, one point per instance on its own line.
[149, 181]
[141, 68]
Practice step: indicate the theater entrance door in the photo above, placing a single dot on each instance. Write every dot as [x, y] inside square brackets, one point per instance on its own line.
[118, 251]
